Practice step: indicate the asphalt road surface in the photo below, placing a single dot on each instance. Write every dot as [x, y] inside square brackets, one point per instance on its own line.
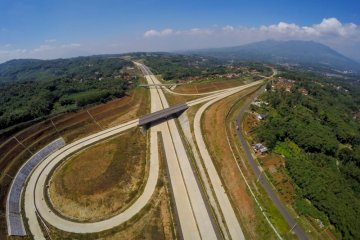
[195, 220]
[263, 181]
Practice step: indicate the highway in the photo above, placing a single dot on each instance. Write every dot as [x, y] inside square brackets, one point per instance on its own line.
[195, 220]
[262, 180]
[226, 208]
[34, 192]
[220, 193]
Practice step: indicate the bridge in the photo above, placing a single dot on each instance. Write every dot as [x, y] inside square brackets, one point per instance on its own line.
[160, 85]
[145, 121]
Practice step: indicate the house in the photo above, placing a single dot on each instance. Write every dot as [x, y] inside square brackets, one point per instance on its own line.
[283, 84]
[261, 116]
[260, 103]
[258, 147]
[263, 150]
[303, 91]
[357, 116]
[321, 224]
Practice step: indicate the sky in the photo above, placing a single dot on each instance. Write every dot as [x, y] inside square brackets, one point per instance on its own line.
[49, 29]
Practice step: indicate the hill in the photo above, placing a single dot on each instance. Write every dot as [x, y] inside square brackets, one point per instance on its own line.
[74, 68]
[307, 53]
[32, 89]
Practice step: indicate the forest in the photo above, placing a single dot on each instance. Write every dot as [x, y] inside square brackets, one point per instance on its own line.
[77, 68]
[182, 67]
[36, 88]
[319, 137]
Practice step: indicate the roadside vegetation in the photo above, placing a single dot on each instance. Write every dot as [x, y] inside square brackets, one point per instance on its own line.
[317, 133]
[32, 89]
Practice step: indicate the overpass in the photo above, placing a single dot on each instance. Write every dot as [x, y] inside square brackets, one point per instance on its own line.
[160, 85]
[145, 121]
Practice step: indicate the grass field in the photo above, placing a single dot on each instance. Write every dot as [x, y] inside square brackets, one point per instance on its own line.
[208, 85]
[101, 180]
[154, 221]
[202, 86]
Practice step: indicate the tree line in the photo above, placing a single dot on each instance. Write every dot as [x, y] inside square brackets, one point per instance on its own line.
[320, 140]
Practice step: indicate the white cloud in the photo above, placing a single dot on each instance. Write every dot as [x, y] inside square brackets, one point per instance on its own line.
[71, 45]
[335, 27]
[43, 48]
[43, 51]
[199, 31]
[50, 40]
[281, 28]
[13, 51]
[327, 27]
[228, 28]
[155, 33]
[344, 37]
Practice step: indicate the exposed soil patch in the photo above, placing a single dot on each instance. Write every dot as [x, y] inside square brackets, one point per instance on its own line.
[249, 124]
[207, 86]
[274, 164]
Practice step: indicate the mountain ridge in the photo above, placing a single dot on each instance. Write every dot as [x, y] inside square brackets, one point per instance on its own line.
[291, 51]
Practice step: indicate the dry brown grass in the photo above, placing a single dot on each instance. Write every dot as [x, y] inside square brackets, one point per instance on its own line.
[176, 99]
[152, 222]
[207, 86]
[100, 181]
[155, 224]
[200, 87]
[274, 164]
[225, 164]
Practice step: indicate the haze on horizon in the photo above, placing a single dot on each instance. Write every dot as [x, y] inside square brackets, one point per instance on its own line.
[46, 30]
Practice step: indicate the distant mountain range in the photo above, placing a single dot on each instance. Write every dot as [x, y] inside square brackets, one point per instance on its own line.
[307, 53]
[304, 53]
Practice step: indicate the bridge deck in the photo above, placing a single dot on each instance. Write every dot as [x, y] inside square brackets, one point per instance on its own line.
[164, 113]
[160, 84]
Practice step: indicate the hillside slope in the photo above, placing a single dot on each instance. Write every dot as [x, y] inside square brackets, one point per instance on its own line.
[91, 67]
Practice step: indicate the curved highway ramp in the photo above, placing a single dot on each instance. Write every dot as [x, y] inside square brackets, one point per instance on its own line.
[13, 204]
